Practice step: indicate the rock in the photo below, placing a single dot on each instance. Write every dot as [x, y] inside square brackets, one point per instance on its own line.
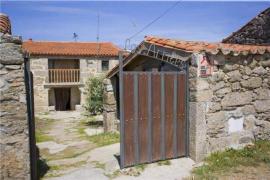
[109, 98]
[229, 67]
[223, 91]
[249, 122]
[217, 76]
[234, 114]
[12, 67]
[218, 85]
[234, 76]
[214, 107]
[11, 54]
[246, 140]
[106, 81]
[236, 99]
[109, 108]
[202, 95]
[216, 117]
[259, 70]
[236, 86]
[216, 124]
[108, 88]
[253, 64]
[262, 93]
[265, 63]
[202, 84]
[193, 72]
[245, 77]
[3, 72]
[248, 71]
[252, 83]
[2, 83]
[262, 105]
[248, 109]
[1, 66]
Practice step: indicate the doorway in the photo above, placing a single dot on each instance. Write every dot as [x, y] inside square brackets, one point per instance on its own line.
[62, 99]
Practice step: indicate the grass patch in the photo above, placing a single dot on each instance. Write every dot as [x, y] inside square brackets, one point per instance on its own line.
[99, 165]
[105, 139]
[140, 167]
[42, 126]
[41, 137]
[114, 174]
[165, 162]
[226, 161]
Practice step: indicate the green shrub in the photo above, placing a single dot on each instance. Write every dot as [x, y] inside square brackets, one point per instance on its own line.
[94, 101]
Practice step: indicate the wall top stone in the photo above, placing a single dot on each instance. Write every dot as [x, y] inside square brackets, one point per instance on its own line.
[10, 50]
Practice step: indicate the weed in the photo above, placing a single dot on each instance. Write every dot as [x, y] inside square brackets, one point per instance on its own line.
[99, 165]
[114, 174]
[140, 167]
[226, 161]
[41, 137]
[104, 139]
[165, 162]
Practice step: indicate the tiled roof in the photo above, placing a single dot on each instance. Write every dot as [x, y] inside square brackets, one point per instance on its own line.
[198, 46]
[5, 26]
[70, 48]
[256, 31]
[213, 48]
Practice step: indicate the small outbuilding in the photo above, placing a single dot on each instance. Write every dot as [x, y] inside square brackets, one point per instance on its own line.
[185, 98]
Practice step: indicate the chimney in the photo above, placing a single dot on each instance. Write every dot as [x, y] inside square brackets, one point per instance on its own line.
[5, 26]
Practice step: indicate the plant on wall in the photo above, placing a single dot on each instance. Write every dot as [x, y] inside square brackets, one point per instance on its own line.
[94, 89]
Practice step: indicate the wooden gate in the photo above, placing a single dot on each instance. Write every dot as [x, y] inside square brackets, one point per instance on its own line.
[154, 119]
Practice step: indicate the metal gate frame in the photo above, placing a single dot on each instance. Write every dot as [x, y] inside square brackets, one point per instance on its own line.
[122, 126]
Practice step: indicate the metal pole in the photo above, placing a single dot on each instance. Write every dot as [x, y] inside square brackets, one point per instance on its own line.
[122, 135]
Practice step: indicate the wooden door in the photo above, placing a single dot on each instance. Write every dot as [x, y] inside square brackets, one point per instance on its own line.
[62, 99]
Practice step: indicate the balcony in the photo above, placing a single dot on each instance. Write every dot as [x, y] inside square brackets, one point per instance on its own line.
[57, 76]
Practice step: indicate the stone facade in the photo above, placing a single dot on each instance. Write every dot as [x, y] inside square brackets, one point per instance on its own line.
[255, 32]
[89, 66]
[14, 156]
[231, 108]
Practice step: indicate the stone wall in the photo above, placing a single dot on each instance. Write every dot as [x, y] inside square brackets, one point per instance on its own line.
[232, 107]
[14, 156]
[39, 68]
[255, 32]
[111, 122]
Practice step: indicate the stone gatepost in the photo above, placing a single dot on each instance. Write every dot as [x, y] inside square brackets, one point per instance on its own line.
[14, 156]
[111, 123]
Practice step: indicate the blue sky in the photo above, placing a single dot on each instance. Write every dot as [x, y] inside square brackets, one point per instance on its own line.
[56, 21]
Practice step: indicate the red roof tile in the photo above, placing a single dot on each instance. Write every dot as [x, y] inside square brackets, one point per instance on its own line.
[213, 48]
[70, 48]
[200, 46]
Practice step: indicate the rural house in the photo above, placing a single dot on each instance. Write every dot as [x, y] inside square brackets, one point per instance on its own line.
[61, 69]
[188, 98]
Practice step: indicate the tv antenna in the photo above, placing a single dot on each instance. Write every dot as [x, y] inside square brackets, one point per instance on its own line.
[75, 37]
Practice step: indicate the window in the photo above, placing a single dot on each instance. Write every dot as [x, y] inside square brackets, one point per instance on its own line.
[105, 65]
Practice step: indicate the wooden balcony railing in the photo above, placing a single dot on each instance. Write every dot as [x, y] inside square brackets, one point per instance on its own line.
[64, 75]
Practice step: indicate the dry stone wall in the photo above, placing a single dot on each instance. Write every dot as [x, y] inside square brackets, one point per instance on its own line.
[231, 108]
[14, 143]
[111, 122]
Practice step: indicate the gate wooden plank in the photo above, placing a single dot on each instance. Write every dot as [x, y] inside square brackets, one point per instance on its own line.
[156, 117]
[143, 117]
[128, 94]
[181, 115]
[169, 90]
